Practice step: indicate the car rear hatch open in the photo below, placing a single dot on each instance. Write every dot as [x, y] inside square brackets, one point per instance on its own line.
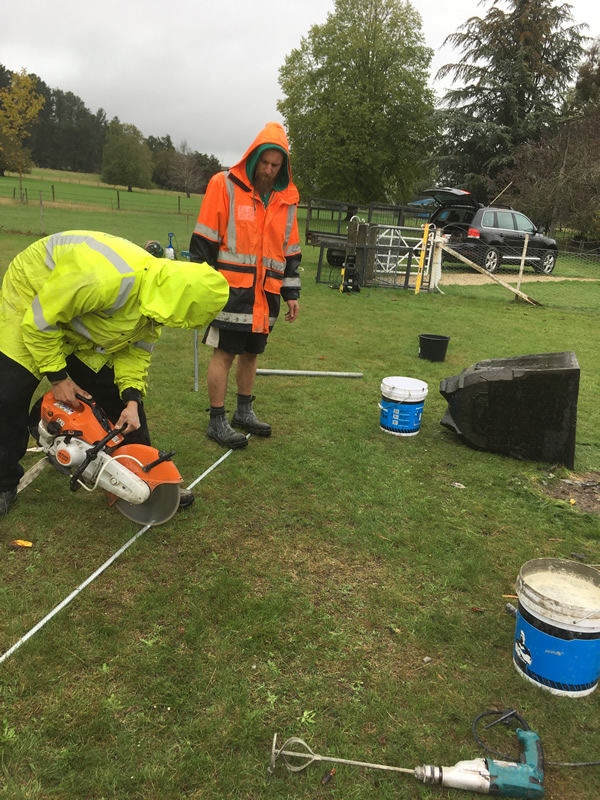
[446, 196]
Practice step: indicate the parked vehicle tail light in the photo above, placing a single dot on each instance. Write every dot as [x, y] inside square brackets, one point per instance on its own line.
[473, 233]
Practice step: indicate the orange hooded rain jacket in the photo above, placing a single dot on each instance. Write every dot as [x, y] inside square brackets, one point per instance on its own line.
[256, 247]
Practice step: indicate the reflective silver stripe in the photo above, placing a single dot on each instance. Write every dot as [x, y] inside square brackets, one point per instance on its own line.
[231, 231]
[228, 316]
[290, 282]
[209, 233]
[276, 266]
[100, 349]
[272, 321]
[291, 215]
[39, 319]
[78, 326]
[127, 285]
[244, 259]
[293, 250]
[56, 240]
[149, 348]
[59, 239]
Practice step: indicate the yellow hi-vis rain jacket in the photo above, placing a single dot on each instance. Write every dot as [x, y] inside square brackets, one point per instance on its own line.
[102, 298]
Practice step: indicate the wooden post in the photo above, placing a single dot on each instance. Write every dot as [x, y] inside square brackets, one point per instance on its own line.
[178, 204]
[53, 195]
[118, 200]
[523, 254]
[371, 253]
[490, 275]
[42, 213]
[361, 241]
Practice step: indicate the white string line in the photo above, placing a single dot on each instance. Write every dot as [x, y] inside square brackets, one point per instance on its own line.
[94, 575]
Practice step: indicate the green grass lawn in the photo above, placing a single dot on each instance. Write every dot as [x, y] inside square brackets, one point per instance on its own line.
[316, 571]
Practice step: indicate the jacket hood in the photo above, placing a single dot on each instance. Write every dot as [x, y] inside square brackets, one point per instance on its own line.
[181, 294]
[272, 135]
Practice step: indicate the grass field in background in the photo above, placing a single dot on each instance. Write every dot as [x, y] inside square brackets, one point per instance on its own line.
[316, 571]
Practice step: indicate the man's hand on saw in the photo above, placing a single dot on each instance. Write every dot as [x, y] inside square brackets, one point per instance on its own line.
[65, 391]
[130, 417]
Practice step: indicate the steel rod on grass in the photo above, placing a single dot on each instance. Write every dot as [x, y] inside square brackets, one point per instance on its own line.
[210, 469]
[99, 571]
[310, 373]
[73, 595]
[195, 360]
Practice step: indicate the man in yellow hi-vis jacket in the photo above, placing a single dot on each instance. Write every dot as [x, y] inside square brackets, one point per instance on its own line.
[84, 309]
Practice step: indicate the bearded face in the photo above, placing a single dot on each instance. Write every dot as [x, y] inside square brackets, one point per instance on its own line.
[267, 170]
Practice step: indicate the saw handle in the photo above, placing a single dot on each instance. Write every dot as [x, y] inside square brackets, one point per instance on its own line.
[91, 455]
[96, 410]
[161, 457]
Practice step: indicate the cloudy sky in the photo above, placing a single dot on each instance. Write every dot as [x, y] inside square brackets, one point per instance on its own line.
[203, 72]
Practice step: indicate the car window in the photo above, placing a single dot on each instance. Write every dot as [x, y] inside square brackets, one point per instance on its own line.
[524, 224]
[488, 220]
[505, 220]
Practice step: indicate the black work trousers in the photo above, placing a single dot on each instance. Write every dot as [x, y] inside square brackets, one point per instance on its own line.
[17, 386]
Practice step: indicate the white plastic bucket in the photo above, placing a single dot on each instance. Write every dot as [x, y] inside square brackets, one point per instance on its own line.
[402, 401]
[557, 636]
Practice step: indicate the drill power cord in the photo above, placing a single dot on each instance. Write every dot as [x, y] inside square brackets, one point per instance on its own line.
[505, 717]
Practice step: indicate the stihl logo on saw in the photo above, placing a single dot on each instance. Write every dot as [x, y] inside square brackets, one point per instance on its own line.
[142, 482]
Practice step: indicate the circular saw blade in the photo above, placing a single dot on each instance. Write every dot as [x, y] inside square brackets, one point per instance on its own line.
[160, 506]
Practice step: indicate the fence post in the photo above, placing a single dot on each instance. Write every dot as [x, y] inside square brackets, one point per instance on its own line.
[178, 204]
[371, 254]
[53, 195]
[42, 212]
[361, 244]
[523, 254]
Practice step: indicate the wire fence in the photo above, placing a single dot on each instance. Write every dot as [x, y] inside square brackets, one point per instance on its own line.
[89, 195]
[511, 260]
[327, 227]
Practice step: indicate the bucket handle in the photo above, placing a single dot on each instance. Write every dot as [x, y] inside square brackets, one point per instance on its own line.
[587, 616]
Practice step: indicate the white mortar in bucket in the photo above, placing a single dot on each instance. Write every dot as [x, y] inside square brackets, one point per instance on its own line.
[557, 636]
[402, 401]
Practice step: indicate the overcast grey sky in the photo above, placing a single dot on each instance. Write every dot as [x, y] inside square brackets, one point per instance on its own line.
[203, 72]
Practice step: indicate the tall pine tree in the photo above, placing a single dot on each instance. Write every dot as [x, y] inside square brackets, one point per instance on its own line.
[511, 82]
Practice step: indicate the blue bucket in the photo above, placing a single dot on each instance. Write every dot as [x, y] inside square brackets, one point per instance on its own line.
[402, 401]
[557, 637]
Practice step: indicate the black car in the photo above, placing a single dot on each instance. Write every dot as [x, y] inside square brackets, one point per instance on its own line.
[490, 235]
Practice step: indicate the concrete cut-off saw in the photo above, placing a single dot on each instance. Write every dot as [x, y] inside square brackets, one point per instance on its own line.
[141, 482]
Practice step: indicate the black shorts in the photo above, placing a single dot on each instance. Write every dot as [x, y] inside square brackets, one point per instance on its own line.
[235, 342]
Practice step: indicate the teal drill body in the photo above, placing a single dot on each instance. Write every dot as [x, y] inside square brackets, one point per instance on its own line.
[509, 779]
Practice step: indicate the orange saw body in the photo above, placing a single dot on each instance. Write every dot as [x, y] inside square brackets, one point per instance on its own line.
[139, 480]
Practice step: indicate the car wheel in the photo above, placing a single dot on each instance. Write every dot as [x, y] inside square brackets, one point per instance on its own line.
[547, 262]
[491, 259]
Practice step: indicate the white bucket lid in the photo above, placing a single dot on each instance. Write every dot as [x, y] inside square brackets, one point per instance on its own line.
[565, 592]
[400, 388]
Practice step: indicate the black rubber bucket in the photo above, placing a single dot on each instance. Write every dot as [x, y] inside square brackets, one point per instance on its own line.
[433, 347]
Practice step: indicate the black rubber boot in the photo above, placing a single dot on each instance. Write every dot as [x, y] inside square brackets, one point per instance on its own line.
[244, 417]
[7, 498]
[186, 498]
[221, 431]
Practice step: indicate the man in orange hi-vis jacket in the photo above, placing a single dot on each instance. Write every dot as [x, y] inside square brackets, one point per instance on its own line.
[247, 230]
